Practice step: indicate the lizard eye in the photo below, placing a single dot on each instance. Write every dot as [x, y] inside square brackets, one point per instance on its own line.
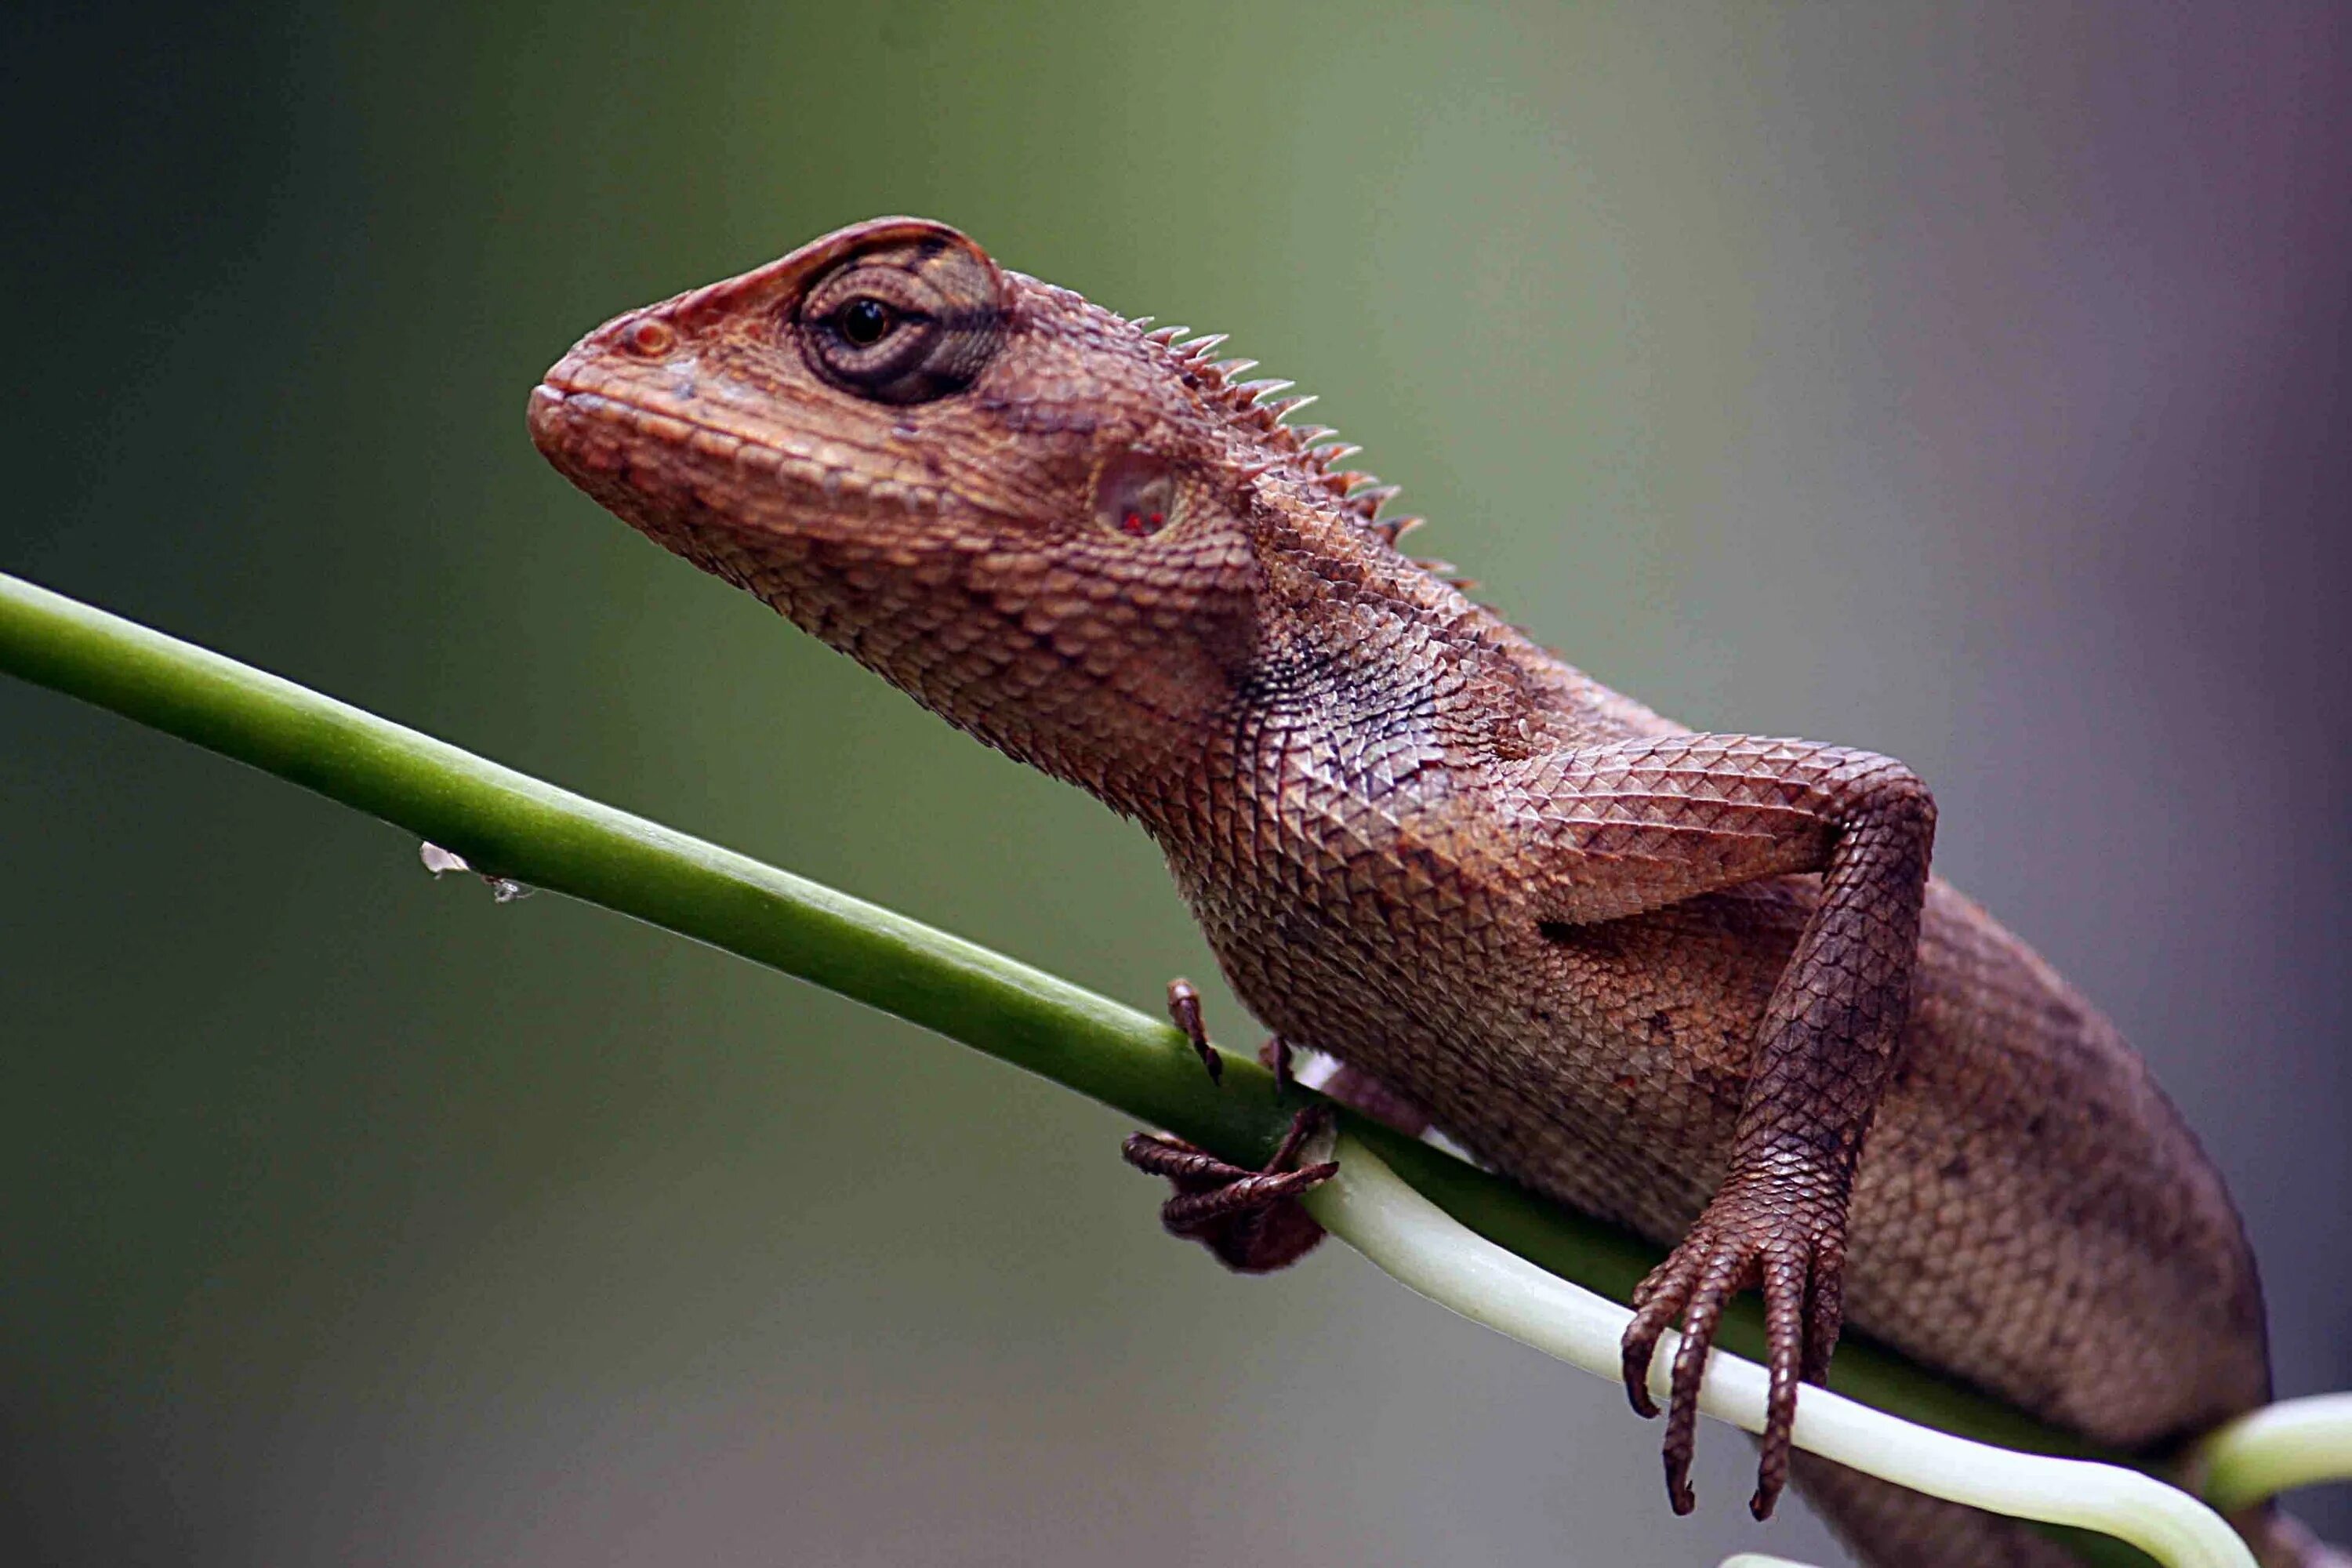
[906, 325]
[864, 322]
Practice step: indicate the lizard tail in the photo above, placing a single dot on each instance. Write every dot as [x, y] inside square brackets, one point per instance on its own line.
[1887, 1526]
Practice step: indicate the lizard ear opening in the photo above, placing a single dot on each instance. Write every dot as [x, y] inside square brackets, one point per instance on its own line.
[1135, 494]
[904, 322]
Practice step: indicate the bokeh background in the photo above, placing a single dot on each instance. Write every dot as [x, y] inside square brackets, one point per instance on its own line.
[1965, 381]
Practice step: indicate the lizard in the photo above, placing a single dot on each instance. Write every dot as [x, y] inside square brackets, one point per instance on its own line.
[1703, 985]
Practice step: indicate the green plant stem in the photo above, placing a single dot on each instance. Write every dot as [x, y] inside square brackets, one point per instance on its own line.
[511, 824]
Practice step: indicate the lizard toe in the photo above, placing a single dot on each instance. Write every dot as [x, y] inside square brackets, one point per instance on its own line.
[1722, 1271]
[1251, 1220]
[1657, 1303]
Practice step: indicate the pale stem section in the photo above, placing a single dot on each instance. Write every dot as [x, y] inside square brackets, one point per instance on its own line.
[1370, 1207]
[2295, 1443]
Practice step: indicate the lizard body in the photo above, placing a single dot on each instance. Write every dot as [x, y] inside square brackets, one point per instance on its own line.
[1702, 986]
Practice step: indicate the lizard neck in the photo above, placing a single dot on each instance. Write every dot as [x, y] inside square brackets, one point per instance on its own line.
[1368, 685]
[1372, 691]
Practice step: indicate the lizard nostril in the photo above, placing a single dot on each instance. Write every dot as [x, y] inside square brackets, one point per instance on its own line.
[649, 338]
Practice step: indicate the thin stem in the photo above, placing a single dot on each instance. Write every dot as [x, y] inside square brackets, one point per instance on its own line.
[2295, 1443]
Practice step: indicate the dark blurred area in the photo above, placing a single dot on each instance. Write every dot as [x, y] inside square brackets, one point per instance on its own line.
[1966, 383]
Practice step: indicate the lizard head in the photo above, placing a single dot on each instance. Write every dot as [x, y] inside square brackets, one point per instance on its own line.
[1038, 519]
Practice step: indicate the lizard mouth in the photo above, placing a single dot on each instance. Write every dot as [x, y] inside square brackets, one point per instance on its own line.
[577, 428]
[618, 448]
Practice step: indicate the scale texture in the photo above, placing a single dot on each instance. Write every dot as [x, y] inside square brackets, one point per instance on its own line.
[1700, 984]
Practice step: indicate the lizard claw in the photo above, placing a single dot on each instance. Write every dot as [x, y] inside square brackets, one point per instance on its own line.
[1250, 1220]
[1184, 1012]
[1771, 1233]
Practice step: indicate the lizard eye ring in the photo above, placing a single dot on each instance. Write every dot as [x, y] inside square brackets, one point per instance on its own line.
[906, 325]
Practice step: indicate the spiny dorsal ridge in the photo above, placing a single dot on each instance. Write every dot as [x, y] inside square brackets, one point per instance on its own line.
[1260, 404]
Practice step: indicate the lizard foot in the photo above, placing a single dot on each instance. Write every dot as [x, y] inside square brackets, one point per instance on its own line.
[1251, 1219]
[1775, 1232]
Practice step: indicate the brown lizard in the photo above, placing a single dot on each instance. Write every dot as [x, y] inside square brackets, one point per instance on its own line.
[1699, 984]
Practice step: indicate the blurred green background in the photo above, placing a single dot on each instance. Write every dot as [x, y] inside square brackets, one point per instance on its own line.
[1970, 383]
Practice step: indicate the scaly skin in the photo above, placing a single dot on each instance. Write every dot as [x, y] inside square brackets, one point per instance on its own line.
[1699, 984]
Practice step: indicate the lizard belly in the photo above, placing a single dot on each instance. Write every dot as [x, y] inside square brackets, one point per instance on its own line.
[2031, 1212]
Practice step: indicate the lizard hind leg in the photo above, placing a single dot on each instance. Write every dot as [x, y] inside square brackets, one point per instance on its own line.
[1251, 1219]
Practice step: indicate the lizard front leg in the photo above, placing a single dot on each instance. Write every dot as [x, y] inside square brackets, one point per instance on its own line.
[1623, 829]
